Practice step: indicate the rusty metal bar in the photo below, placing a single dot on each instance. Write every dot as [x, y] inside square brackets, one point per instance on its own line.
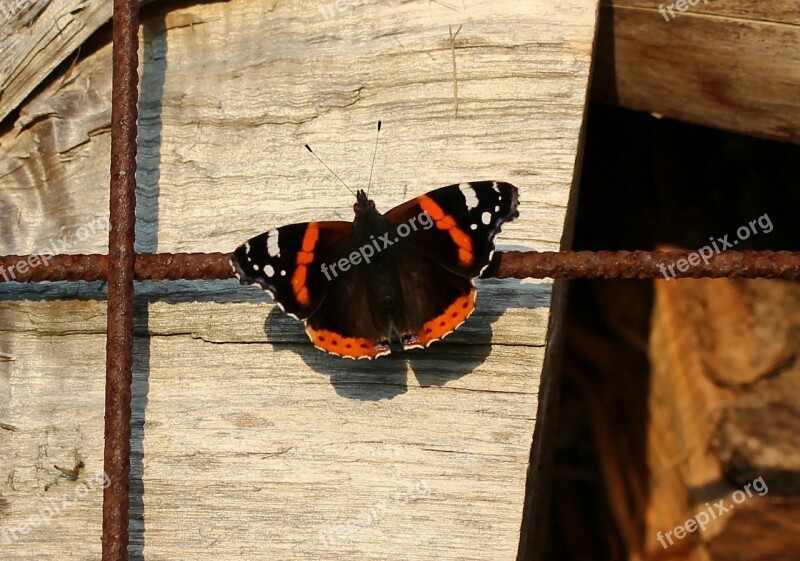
[514, 264]
[94, 267]
[120, 271]
[647, 265]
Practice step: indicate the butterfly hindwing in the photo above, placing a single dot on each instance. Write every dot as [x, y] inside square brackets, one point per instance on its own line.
[433, 301]
[286, 262]
[348, 323]
[463, 221]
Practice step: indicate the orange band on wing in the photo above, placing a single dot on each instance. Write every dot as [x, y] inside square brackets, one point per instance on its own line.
[310, 238]
[347, 347]
[446, 222]
[304, 257]
[433, 330]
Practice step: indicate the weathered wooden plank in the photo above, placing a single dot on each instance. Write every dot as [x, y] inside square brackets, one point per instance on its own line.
[38, 35]
[509, 313]
[730, 64]
[764, 12]
[265, 461]
[246, 439]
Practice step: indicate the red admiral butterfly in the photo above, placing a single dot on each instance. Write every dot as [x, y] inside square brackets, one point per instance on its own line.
[409, 271]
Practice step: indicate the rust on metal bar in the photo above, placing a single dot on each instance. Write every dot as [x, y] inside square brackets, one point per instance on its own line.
[514, 264]
[646, 265]
[94, 267]
[120, 264]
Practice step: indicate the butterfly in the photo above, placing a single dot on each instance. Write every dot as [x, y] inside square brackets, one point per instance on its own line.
[409, 272]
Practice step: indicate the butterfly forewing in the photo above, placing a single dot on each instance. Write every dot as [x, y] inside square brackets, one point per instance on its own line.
[286, 262]
[461, 223]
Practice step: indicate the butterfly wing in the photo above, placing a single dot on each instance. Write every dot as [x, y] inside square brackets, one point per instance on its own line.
[287, 261]
[462, 221]
[434, 302]
[452, 243]
[348, 323]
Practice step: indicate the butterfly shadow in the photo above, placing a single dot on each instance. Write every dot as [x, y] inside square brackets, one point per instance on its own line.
[450, 359]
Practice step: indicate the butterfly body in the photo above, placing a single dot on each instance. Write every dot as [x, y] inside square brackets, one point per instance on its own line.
[408, 272]
[369, 225]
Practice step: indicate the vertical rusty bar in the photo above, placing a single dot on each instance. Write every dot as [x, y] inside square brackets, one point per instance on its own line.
[121, 257]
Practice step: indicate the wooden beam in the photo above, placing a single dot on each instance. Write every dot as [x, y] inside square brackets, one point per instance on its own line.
[246, 439]
[729, 64]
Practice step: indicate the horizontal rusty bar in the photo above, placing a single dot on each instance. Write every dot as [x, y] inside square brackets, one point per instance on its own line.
[513, 264]
[94, 267]
[647, 265]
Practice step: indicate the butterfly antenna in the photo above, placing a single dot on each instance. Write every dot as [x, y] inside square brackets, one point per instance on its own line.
[329, 169]
[375, 153]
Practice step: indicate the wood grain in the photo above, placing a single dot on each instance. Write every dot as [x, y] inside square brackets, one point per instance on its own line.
[729, 64]
[723, 420]
[246, 439]
[36, 36]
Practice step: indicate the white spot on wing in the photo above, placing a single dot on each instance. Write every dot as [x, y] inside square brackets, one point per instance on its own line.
[255, 267]
[272, 244]
[269, 270]
[495, 187]
[470, 197]
[486, 218]
[473, 226]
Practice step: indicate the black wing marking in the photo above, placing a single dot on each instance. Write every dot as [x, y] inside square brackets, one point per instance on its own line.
[462, 222]
[287, 262]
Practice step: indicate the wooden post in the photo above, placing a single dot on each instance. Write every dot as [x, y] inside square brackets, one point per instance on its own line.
[246, 440]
